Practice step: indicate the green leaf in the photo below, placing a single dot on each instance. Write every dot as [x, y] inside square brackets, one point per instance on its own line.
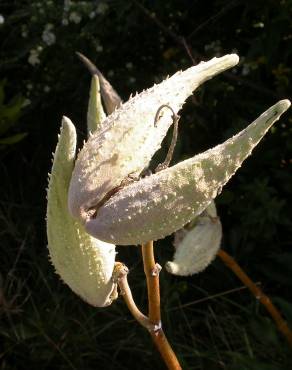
[10, 113]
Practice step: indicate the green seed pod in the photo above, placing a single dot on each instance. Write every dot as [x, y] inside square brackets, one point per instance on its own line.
[84, 263]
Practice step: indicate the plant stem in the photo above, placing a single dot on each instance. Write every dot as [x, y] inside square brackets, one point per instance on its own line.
[258, 293]
[120, 276]
[152, 276]
[152, 270]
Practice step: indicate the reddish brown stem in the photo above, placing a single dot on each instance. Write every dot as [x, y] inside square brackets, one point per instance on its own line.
[152, 276]
[258, 293]
[165, 350]
[152, 270]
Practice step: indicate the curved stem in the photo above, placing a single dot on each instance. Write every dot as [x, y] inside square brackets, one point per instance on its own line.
[152, 270]
[258, 293]
[120, 277]
[175, 119]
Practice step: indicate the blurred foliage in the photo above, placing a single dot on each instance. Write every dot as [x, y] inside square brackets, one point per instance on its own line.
[136, 43]
[9, 114]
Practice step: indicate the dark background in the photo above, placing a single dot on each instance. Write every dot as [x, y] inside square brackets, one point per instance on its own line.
[136, 43]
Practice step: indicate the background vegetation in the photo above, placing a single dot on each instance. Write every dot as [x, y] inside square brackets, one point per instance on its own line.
[211, 322]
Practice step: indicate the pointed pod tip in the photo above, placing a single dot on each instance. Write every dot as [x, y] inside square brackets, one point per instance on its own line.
[95, 79]
[229, 60]
[283, 105]
[88, 63]
[65, 119]
[278, 109]
[66, 122]
[206, 70]
[233, 58]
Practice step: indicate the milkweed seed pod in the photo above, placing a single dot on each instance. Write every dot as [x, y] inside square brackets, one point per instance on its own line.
[197, 244]
[114, 209]
[158, 205]
[128, 138]
[84, 263]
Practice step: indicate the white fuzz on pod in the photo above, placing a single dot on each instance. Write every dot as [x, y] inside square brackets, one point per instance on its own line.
[128, 138]
[160, 204]
[84, 263]
[197, 244]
